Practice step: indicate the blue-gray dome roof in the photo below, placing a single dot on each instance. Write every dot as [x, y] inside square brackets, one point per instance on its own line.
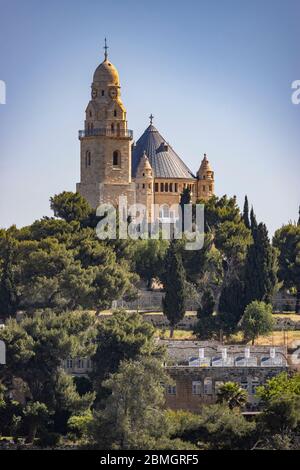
[164, 160]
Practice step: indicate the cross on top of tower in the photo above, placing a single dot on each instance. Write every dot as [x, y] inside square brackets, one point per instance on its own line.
[105, 49]
[151, 117]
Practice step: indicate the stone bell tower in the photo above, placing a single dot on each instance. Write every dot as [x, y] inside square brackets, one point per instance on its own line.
[105, 142]
[206, 180]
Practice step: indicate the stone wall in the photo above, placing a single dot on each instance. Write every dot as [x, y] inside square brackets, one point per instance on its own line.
[209, 379]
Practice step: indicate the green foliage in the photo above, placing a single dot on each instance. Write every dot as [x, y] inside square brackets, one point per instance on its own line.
[206, 325]
[80, 424]
[231, 306]
[246, 219]
[8, 291]
[70, 206]
[175, 286]
[281, 415]
[257, 320]
[133, 417]
[74, 270]
[287, 242]
[148, 258]
[123, 336]
[36, 348]
[217, 427]
[280, 386]
[261, 268]
[219, 210]
[233, 395]
[35, 416]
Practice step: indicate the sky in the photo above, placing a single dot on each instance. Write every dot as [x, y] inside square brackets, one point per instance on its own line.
[216, 74]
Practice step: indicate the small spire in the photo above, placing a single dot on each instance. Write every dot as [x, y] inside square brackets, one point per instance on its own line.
[151, 117]
[105, 49]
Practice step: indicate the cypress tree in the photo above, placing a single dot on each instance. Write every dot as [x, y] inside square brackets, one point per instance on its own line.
[246, 213]
[175, 287]
[253, 222]
[260, 269]
[8, 291]
[206, 325]
[231, 305]
[185, 198]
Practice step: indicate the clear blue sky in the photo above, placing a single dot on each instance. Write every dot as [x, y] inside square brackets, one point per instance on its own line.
[216, 74]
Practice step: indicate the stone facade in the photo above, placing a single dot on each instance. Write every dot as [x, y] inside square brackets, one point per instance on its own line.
[199, 368]
[195, 386]
[106, 157]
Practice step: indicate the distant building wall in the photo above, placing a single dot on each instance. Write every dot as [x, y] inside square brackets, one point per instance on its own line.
[196, 386]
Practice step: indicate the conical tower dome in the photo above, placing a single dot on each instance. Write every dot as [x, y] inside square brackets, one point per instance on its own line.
[204, 167]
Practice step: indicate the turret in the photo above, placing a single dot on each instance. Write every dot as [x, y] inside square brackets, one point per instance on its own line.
[206, 182]
[144, 185]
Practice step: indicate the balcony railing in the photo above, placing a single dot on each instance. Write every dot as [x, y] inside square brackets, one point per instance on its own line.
[105, 132]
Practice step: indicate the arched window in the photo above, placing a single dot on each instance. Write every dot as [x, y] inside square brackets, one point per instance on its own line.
[171, 187]
[112, 128]
[116, 158]
[115, 113]
[166, 187]
[161, 187]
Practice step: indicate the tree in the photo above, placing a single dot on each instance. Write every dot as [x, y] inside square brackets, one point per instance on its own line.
[246, 213]
[287, 241]
[36, 348]
[8, 291]
[233, 395]
[123, 336]
[281, 415]
[282, 385]
[261, 268]
[72, 271]
[217, 427]
[134, 416]
[70, 206]
[175, 287]
[148, 258]
[253, 222]
[185, 199]
[257, 320]
[231, 305]
[35, 414]
[207, 324]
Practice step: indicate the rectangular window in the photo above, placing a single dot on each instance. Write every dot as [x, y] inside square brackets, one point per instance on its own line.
[196, 388]
[171, 187]
[208, 386]
[69, 363]
[156, 187]
[171, 389]
[176, 187]
[203, 188]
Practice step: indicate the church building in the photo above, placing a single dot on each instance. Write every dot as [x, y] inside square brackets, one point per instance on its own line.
[146, 172]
